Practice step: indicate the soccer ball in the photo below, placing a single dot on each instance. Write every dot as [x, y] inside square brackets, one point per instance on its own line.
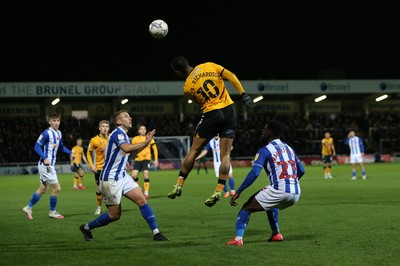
[158, 28]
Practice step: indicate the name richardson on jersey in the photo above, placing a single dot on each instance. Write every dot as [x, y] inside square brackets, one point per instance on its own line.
[197, 76]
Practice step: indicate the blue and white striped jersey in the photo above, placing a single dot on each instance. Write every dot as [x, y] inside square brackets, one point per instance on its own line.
[213, 145]
[115, 158]
[356, 145]
[48, 144]
[282, 165]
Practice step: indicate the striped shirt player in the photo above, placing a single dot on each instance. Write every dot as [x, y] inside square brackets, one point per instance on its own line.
[48, 144]
[115, 180]
[284, 169]
[214, 147]
[116, 159]
[356, 146]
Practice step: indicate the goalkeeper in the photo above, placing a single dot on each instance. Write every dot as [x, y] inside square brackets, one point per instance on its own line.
[205, 86]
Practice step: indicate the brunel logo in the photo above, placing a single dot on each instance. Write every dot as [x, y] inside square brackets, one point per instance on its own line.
[389, 86]
[334, 87]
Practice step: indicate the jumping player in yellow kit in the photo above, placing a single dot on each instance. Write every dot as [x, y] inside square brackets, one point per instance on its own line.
[205, 86]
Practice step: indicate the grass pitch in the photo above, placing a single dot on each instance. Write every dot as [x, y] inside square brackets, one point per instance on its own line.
[336, 222]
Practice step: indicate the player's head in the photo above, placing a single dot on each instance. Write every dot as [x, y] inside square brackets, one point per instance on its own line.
[122, 118]
[79, 141]
[104, 127]
[180, 66]
[352, 133]
[272, 130]
[54, 120]
[327, 134]
[142, 129]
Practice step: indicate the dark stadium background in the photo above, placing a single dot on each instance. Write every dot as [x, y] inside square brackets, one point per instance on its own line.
[85, 40]
[109, 41]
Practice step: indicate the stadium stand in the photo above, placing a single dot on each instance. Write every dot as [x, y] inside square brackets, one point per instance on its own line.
[379, 131]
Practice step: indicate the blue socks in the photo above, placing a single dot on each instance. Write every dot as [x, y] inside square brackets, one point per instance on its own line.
[241, 222]
[273, 220]
[102, 220]
[231, 182]
[145, 210]
[35, 198]
[53, 203]
[148, 215]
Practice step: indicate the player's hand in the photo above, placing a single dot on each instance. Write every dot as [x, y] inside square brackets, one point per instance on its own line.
[247, 100]
[150, 135]
[46, 161]
[233, 199]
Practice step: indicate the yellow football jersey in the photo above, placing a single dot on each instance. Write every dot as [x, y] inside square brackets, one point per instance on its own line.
[145, 154]
[327, 144]
[78, 152]
[205, 86]
[98, 145]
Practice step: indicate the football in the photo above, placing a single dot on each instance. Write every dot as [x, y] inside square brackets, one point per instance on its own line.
[158, 28]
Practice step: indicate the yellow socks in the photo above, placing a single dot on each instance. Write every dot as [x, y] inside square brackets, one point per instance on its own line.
[146, 187]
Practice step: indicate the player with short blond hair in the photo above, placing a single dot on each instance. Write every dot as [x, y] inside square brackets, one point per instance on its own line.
[97, 145]
[328, 151]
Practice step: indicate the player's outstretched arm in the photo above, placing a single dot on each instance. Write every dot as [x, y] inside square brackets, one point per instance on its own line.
[239, 88]
[138, 147]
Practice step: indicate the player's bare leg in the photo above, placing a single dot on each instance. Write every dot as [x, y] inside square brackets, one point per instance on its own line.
[187, 166]
[225, 148]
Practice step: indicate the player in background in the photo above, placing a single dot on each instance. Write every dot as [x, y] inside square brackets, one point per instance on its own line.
[47, 146]
[328, 151]
[205, 86]
[356, 154]
[213, 145]
[97, 145]
[284, 169]
[76, 164]
[202, 163]
[116, 182]
[143, 158]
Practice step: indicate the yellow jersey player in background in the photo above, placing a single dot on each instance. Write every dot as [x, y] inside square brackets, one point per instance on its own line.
[142, 159]
[205, 86]
[97, 145]
[76, 164]
[328, 151]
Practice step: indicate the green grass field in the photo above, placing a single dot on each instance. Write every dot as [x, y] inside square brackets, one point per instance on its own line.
[336, 222]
